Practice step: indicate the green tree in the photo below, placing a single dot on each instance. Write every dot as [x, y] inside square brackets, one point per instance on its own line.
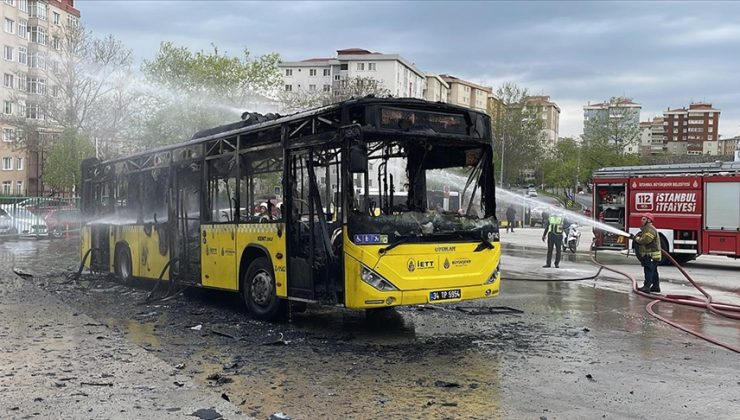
[62, 168]
[517, 133]
[188, 91]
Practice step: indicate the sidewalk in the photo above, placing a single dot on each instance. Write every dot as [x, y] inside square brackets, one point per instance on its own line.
[56, 363]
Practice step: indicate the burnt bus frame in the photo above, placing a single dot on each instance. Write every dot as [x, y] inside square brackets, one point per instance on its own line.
[318, 127]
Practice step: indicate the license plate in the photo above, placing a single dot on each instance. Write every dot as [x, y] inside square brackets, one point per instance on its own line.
[444, 295]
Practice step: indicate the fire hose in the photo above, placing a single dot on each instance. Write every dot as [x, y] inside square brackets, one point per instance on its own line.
[726, 310]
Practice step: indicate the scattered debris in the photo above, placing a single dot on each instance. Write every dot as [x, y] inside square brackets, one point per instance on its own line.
[590, 377]
[586, 329]
[97, 383]
[197, 327]
[178, 383]
[224, 334]
[279, 416]
[173, 409]
[22, 274]
[449, 404]
[279, 342]
[488, 310]
[207, 414]
[180, 366]
[226, 397]
[445, 384]
[219, 378]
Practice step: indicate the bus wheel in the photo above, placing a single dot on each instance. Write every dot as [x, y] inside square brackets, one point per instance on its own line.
[258, 291]
[123, 264]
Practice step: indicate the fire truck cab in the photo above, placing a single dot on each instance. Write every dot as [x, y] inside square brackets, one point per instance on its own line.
[696, 206]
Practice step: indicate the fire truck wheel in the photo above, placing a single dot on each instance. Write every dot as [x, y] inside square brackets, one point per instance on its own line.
[664, 246]
[259, 293]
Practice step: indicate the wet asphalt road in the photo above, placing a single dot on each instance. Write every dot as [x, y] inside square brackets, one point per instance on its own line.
[576, 350]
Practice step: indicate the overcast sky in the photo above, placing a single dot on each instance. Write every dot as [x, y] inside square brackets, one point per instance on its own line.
[662, 54]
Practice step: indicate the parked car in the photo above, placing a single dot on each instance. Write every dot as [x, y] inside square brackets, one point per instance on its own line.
[25, 223]
[63, 221]
[531, 192]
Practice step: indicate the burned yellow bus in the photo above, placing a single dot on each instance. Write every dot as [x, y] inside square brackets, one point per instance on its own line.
[280, 209]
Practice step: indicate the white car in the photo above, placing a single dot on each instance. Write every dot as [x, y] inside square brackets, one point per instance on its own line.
[531, 192]
[23, 223]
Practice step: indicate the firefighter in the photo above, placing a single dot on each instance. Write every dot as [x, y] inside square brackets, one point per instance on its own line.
[554, 233]
[510, 218]
[648, 252]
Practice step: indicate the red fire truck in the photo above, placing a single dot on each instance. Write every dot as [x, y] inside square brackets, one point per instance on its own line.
[696, 206]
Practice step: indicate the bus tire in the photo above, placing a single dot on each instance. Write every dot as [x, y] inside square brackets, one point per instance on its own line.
[123, 264]
[259, 291]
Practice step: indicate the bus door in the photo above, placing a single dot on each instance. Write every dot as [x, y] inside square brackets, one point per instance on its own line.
[314, 224]
[218, 225]
[185, 211]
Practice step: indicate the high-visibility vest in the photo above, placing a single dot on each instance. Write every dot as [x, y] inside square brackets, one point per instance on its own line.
[555, 224]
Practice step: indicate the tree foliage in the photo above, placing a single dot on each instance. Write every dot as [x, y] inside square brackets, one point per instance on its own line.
[352, 87]
[62, 167]
[188, 91]
[517, 133]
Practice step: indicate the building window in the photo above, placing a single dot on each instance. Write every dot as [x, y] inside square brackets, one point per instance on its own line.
[8, 81]
[289, 88]
[8, 53]
[711, 129]
[72, 21]
[327, 72]
[19, 164]
[36, 85]
[9, 26]
[336, 77]
[288, 72]
[56, 17]
[312, 72]
[710, 137]
[19, 187]
[55, 42]
[21, 82]
[38, 35]
[23, 5]
[360, 66]
[37, 61]
[23, 55]
[327, 88]
[8, 134]
[6, 187]
[10, 2]
[344, 66]
[38, 9]
[34, 112]
[312, 88]
[7, 164]
[55, 91]
[8, 107]
[371, 66]
[23, 28]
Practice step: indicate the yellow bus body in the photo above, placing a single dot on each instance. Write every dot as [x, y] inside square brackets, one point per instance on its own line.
[415, 269]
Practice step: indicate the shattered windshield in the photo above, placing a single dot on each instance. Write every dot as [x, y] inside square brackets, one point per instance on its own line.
[424, 190]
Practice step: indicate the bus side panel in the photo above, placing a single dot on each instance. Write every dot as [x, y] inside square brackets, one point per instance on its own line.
[270, 236]
[128, 235]
[218, 256]
[152, 260]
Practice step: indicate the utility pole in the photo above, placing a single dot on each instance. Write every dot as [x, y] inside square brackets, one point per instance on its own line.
[503, 148]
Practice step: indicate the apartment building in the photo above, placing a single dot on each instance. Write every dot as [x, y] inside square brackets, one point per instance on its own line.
[694, 130]
[31, 34]
[652, 138]
[728, 146]
[401, 77]
[467, 94]
[550, 113]
[622, 116]
[436, 90]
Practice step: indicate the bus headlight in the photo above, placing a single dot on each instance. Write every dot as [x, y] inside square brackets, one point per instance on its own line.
[376, 280]
[494, 275]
